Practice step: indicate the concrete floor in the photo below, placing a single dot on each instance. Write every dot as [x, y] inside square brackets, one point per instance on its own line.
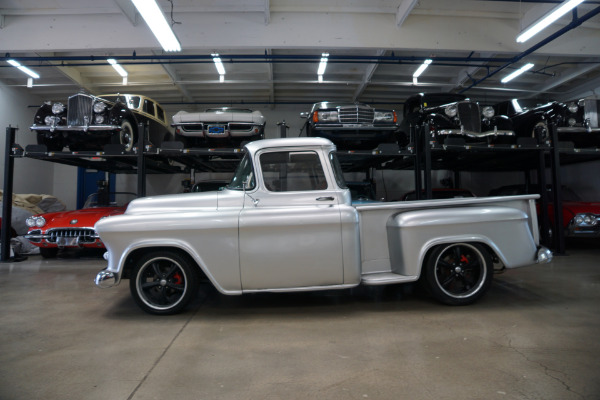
[534, 336]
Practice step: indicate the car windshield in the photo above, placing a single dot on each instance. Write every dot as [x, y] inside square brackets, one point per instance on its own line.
[109, 199]
[434, 100]
[131, 101]
[243, 174]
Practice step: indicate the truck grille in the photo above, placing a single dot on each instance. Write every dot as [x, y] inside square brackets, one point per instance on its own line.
[85, 235]
[468, 114]
[356, 115]
[79, 111]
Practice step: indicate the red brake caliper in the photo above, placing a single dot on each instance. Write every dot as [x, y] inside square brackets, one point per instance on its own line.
[464, 259]
[177, 279]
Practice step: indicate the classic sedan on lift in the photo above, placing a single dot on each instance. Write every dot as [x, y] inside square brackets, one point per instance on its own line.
[351, 125]
[224, 127]
[89, 122]
[75, 229]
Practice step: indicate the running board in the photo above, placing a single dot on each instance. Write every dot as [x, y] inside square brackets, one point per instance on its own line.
[386, 278]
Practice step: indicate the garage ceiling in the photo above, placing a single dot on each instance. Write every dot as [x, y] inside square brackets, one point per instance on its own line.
[271, 50]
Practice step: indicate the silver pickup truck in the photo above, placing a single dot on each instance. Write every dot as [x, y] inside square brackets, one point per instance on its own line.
[286, 223]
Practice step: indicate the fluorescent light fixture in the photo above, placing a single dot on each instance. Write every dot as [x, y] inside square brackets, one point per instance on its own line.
[117, 67]
[24, 69]
[518, 72]
[221, 78]
[218, 63]
[548, 19]
[323, 64]
[320, 78]
[157, 23]
[422, 68]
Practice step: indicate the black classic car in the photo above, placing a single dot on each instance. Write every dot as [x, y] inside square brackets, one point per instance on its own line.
[576, 121]
[453, 115]
[351, 125]
[89, 122]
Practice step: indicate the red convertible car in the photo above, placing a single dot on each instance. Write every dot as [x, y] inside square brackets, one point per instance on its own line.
[75, 229]
[580, 218]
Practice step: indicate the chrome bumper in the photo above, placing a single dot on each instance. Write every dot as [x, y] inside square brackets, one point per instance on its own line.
[543, 256]
[105, 279]
[75, 128]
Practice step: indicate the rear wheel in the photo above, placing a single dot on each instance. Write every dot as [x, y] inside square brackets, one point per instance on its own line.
[458, 273]
[163, 282]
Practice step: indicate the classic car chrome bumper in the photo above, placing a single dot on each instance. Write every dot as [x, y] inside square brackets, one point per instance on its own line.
[543, 256]
[105, 279]
[75, 128]
[577, 129]
[474, 134]
[354, 127]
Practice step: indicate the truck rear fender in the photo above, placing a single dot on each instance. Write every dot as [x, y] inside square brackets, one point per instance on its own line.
[504, 231]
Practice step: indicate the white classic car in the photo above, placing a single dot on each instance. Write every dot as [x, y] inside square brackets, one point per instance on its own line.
[225, 127]
[286, 223]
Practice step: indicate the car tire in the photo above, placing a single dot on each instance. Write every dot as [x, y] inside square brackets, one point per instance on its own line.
[164, 282]
[50, 252]
[458, 273]
[126, 136]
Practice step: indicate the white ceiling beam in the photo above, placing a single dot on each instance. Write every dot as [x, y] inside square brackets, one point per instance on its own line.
[128, 10]
[590, 88]
[370, 70]
[403, 10]
[267, 12]
[573, 74]
[175, 79]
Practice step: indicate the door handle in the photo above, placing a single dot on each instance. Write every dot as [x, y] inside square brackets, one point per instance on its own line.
[325, 198]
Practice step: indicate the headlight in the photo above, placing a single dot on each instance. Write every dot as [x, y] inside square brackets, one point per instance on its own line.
[451, 110]
[384, 116]
[98, 118]
[488, 112]
[99, 107]
[30, 222]
[49, 120]
[58, 108]
[40, 221]
[572, 121]
[573, 107]
[585, 220]
[327, 116]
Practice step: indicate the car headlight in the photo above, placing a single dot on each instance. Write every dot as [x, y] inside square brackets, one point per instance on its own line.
[572, 107]
[327, 116]
[49, 120]
[99, 107]
[585, 220]
[98, 118]
[30, 222]
[451, 110]
[488, 111]
[35, 221]
[58, 108]
[571, 121]
[384, 116]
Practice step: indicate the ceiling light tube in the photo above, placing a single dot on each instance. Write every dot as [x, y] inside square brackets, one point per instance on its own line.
[218, 63]
[320, 78]
[518, 72]
[422, 68]
[157, 23]
[548, 19]
[117, 67]
[24, 69]
[323, 64]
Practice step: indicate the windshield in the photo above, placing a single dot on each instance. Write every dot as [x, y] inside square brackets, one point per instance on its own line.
[106, 199]
[243, 173]
[337, 171]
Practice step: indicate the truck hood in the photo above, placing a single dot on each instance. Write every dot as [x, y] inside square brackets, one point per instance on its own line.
[173, 202]
[255, 117]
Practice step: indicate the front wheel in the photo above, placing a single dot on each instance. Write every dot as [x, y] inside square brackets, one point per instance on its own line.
[163, 282]
[126, 136]
[458, 273]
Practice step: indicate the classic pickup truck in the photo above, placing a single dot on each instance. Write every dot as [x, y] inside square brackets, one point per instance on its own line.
[286, 223]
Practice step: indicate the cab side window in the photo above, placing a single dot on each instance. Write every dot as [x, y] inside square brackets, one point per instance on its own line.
[290, 171]
[160, 113]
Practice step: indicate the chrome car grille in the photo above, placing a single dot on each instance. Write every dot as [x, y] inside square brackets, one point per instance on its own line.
[469, 116]
[355, 115]
[79, 111]
[591, 109]
[85, 235]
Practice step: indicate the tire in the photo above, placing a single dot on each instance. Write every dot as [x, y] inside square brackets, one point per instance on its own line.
[126, 136]
[49, 252]
[164, 282]
[458, 273]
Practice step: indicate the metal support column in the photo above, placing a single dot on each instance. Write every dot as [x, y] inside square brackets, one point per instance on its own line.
[418, 150]
[282, 129]
[541, 179]
[427, 157]
[141, 160]
[9, 166]
[558, 232]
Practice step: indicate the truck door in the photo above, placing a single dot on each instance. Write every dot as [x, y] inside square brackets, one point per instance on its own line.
[291, 236]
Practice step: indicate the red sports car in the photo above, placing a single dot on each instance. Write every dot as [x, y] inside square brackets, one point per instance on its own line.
[75, 229]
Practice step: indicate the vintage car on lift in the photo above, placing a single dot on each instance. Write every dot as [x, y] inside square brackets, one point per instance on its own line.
[580, 218]
[453, 115]
[576, 121]
[89, 122]
[223, 127]
[351, 125]
[75, 229]
[286, 223]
